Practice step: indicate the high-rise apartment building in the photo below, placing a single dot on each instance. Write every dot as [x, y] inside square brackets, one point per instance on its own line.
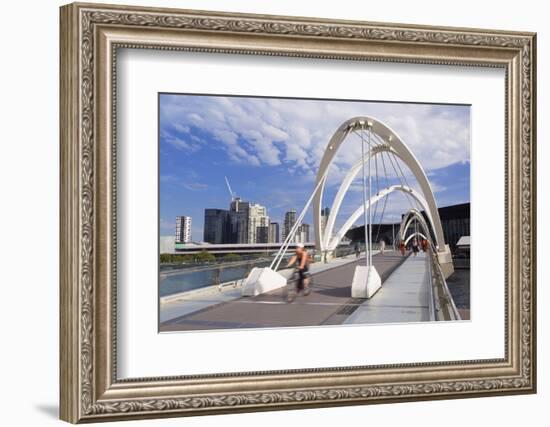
[239, 216]
[257, 217]
[217, 226]
[290, 220]
[304, 233]
[183, 229]
[325, 213]
[242, 223]
[262, 234]
[273, 232]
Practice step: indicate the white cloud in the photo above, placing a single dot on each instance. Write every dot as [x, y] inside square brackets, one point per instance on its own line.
[195, 119]
[181, 128]
[273, 132]
[226, 136]
[267, 151]
[295, 133]
[437, 188]
[181, 144]
[296, 154]
[195, 186]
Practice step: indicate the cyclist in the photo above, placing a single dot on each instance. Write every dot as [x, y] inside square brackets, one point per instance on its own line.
[301, 259]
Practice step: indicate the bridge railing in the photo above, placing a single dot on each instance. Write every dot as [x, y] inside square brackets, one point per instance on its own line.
[431, 300]
[442, 305]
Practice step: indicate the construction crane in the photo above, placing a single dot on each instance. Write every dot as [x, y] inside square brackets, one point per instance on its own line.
[231, 193]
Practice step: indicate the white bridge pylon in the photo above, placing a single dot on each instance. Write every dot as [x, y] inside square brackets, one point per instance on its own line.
[392, 144]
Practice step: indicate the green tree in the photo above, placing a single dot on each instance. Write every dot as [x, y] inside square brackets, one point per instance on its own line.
[187, 258]
[231, 257]
[204, 256]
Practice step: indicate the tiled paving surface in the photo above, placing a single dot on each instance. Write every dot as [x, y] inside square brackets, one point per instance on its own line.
[330, 295]
[404, 296]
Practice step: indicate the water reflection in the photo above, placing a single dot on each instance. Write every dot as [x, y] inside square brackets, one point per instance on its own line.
[183, 281]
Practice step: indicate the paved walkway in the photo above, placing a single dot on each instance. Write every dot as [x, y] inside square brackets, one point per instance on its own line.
[404, 297]
[172, 306]
[328, 303]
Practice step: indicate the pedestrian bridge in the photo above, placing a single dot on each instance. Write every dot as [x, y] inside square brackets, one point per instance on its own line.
[377, 288]
[408, 294]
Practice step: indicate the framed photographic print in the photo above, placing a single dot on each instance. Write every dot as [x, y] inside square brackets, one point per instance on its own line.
[272, 149]
[267, 212]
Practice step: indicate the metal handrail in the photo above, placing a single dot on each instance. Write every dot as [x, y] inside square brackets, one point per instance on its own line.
[444, 305]
[431, 301]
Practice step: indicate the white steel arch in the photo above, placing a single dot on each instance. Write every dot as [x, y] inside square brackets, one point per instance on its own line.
[335, 240]
[408, 218]
[408, 239]
[344, 186]
[395, 145]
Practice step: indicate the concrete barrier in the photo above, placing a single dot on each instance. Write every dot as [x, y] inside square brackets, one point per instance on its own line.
[366, 282]
[262, 280]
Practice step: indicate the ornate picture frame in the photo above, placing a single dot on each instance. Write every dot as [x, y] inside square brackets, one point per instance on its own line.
[90, 37]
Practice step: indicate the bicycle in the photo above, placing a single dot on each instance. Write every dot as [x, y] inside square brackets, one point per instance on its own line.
[296, 280]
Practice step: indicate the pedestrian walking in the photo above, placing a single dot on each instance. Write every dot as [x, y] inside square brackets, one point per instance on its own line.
[382, 246]
[424, 245]
[415, 248]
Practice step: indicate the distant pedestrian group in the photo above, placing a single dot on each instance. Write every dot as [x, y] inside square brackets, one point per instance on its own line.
[415, 246]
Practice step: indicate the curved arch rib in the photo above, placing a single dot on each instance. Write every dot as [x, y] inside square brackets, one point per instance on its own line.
[343, 189]
[412, 235]
[395, 142]
[408, 219]
[335, 240]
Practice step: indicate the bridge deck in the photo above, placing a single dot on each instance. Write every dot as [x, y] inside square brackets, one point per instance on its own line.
[404, 297]
[328, 303]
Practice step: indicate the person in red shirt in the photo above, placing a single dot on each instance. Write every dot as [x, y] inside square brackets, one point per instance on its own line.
[424, 245]
[402, 247]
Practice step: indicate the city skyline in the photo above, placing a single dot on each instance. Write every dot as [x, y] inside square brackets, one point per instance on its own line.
[272, 221]
[270, 149]
[246, 222]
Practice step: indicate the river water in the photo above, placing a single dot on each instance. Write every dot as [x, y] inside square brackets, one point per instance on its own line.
[188, 280]
[459, 286]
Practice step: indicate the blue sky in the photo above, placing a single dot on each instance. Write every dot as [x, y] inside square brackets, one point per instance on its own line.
[270, 149]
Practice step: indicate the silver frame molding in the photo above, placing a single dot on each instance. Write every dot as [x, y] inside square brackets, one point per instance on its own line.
[90, 37]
